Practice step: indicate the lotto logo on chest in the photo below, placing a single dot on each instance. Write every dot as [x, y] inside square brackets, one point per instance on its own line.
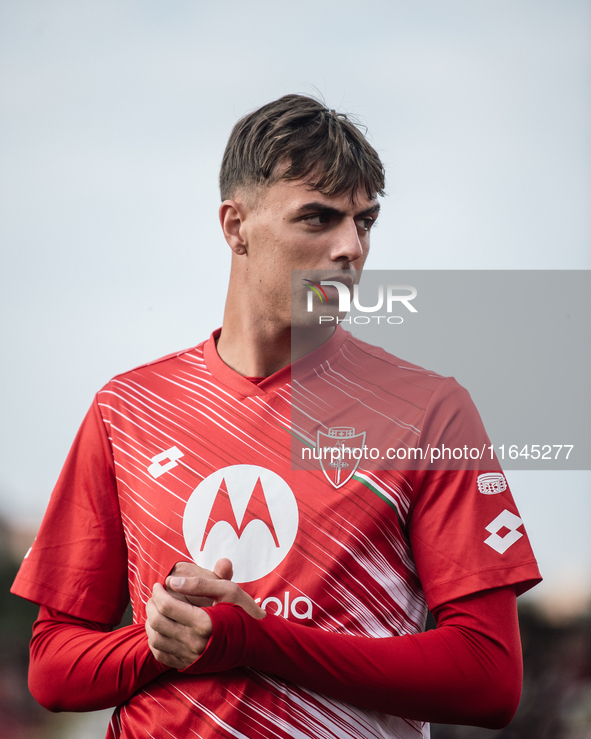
[243, 512]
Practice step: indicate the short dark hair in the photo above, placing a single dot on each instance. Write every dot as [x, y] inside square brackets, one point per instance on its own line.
[313, 142]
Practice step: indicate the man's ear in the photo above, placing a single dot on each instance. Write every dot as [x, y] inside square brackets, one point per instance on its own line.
[232, 216]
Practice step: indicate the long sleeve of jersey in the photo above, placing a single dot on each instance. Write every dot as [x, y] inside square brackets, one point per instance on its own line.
[79, 665]
[466, 671]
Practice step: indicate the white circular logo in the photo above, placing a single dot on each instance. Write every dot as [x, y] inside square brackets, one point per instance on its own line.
[245, 513]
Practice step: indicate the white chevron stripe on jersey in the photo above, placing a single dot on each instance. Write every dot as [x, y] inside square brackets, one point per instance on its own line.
[341, 720]
[350, 390]
[211, 715]
[381, 572]
[299, 725]
[147, 427]
[282, 418]
[369, 624]
[257, 445]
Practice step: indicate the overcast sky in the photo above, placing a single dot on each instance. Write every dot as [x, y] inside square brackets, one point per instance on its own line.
[114, 116]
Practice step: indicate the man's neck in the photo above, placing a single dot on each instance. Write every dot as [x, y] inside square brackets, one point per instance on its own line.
[259, 349]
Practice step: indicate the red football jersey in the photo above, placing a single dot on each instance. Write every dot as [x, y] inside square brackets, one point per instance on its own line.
[183, 459]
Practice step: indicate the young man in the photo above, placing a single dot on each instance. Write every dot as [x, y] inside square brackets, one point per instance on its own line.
[186, 461]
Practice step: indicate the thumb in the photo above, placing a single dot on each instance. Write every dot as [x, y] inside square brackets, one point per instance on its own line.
[223, 569]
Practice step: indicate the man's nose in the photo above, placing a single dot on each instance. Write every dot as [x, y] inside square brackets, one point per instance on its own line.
[347, 242]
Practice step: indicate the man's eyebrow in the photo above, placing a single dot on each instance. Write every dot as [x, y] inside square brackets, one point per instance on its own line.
[316, 207]
[369, 211]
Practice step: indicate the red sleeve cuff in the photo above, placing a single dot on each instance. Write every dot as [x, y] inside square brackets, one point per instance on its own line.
[227, 646]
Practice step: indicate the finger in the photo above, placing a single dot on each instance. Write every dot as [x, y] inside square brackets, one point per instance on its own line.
[204, 587]
[171, 652]
[190, 569]
[179, 611]
[160, 624]
[163, 656]
[188, 648]
[195, 601]
[169, 640]
[220, 591]
[224, 569]
[156, 621]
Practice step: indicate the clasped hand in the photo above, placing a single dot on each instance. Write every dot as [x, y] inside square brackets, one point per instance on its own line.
[177, 626]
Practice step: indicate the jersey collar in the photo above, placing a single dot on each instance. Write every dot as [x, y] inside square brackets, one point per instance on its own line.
[246, 388]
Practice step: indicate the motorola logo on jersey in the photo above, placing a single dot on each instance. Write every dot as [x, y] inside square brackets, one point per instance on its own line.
[246, 513]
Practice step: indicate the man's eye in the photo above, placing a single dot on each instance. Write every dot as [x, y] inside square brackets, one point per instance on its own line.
[366, 223]
[318, 219]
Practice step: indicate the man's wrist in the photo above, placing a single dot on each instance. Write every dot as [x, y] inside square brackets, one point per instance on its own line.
[228, 644]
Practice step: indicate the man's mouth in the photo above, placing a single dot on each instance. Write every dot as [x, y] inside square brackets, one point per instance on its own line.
[332, 292]
[343, 277]
[336, 294]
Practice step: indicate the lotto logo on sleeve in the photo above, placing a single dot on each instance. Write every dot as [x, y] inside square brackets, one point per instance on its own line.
[505, 522]
[243, 512]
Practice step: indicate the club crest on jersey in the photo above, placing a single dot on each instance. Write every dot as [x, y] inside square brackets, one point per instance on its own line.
[339, 452]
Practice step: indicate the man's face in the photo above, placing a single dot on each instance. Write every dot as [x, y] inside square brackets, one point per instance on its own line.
[292, 227]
